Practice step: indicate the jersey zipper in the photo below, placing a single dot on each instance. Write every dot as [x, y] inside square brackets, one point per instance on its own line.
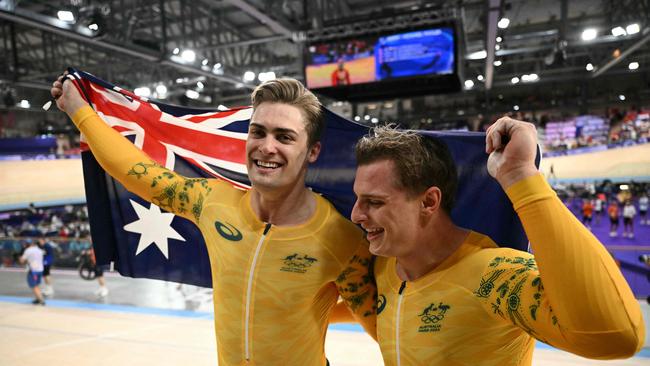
[249, 290]
[397, 320]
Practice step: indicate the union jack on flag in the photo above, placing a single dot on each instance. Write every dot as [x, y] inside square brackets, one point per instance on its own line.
[144, 242]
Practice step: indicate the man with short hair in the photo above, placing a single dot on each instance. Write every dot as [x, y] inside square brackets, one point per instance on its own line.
[33, 256]
[451, 296]
[48, 260]
[280, 253]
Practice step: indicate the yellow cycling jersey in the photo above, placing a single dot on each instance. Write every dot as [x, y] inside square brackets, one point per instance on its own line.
[486, 305]
[274, 287]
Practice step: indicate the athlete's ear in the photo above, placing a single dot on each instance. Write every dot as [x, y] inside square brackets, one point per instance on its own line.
[313, 152]
[431, 200]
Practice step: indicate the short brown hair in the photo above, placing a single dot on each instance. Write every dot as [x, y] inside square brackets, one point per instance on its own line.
[292, 92]
[421, 162]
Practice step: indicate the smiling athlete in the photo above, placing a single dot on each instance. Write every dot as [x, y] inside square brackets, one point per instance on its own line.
[451, 296]
[280, 254]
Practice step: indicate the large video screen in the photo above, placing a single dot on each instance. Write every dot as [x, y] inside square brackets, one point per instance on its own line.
[380, 58]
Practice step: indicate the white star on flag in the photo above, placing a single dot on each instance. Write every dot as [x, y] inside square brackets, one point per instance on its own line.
[154, 227]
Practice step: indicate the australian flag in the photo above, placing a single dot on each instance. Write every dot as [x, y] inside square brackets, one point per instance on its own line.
[144, 241]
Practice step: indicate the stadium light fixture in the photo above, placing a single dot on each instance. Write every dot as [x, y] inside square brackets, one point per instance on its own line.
[65, 15]
[497, 63]
[24, 104]
[200, 85]
[142, 91]
[249, 76]
[357, 118]
[514, 80]
[176, 51]
[589, 67]
[192, 94]
[480, 78]
[374, 120]
[633, 65]
[188, 56]
[499, 39]
[205, 62]
[503, 23]
[516, 107]
[478, 55]
[621, 97]
[589, 34]
[618, 31]
[469, 84]
[633, 28]
[161, 89]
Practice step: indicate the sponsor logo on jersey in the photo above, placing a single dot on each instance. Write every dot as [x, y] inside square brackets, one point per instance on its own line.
[381, 303]
[228, 231]
[432, 316]
[297, 263]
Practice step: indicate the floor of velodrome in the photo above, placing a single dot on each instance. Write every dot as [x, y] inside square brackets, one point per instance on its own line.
[147, 322]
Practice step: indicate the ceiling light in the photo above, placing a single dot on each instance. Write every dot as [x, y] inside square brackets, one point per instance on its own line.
[142, 91]
[24, 104]
[192, 94]
[469, 84]
[374, 120]
[621, 97]
[176, 51]
[200, 85]
[266, 76]
[618, 31]
[499, 39]
[633, 65]
[357, 118]
[366, 117]
[479, 78]
[249, 76]
[478, 55]
[514, 80]
[497, 47]
[589, 34]
[65, 15]
[589, 67]
[529, 78]
[93, 27]
[497, 63]
[161, 89]
[503, 23]
[516, 107]
[188, 55]
[633, 28]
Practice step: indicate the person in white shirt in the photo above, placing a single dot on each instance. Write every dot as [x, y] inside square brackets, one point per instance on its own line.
[643, 209]
[33, 256]
[628, 219]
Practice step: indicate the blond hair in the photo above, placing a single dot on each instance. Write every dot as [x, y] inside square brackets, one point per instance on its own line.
[420, 161]
[292, 92]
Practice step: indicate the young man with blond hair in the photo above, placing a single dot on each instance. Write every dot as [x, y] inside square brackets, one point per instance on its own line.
[451, 296]
[280, 254]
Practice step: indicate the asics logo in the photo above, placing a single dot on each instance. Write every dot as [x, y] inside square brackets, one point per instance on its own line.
[228, 231]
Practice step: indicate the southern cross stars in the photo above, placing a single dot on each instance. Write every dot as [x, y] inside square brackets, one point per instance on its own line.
[154, 227]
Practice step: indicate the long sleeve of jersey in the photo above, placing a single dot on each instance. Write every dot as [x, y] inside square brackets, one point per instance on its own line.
[356, 285]
[582, 303]
[138, 172]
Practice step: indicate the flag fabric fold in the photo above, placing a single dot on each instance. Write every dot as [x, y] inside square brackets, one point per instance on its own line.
[210, 143]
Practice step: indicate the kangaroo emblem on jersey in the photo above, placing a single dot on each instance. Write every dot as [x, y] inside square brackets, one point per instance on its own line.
[228, 231]
[431, 317]
[297, 263]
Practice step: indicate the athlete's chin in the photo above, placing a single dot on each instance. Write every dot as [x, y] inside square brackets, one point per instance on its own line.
[378, 248]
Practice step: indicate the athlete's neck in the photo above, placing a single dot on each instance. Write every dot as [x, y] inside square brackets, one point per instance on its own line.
[438, 241]
[286, 208]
